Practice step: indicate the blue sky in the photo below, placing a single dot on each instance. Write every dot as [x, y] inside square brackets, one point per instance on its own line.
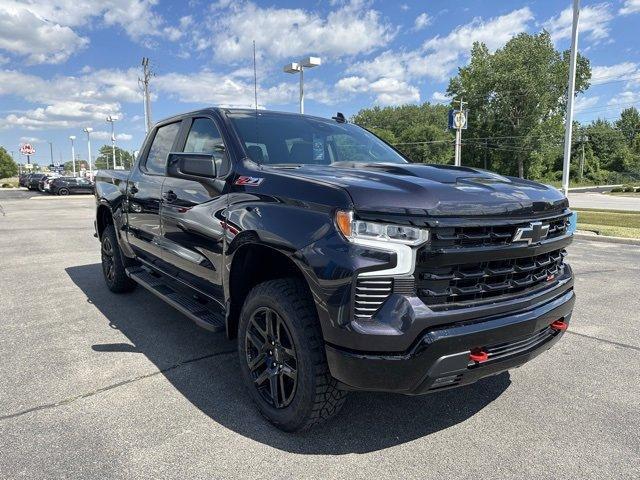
[67, 64]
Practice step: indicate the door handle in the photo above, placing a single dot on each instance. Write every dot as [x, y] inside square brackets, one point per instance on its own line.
[170, 196]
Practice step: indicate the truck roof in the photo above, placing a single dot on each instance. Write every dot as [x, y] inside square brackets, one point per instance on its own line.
[226, 110]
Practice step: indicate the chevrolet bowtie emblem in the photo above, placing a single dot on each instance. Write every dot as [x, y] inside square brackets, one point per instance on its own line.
[534, 233]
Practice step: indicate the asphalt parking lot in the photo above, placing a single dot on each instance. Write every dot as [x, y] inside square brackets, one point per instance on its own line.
[94, 385]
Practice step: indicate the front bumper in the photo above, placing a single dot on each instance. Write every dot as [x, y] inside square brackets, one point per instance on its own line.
[440, 357]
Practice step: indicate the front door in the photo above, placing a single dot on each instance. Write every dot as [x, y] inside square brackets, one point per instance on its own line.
[193, 238]
[145, 191]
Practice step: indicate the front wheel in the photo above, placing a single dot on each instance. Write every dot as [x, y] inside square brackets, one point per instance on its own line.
[282, 357]
[113, 267]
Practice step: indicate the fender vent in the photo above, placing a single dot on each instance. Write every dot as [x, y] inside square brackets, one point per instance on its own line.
[370, 294]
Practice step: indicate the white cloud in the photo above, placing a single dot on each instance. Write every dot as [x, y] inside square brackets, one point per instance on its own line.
[64, 114]
[387, 91]
[68, 101]
[106, 135]
[619, 71]
[209, 88]
[625, 99]
[25, 33]
[281, 33]
[594, 21]
[629, 7]
[44, 32]
[31, 140]
[437, 58]
[423, 20]
[583, 103]
[440, 97]
[441, 55]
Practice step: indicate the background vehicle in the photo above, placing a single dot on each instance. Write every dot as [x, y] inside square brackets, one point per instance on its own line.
[70, 185]
[335, 263]
[44, 185]
[33, 180]
[23, 179]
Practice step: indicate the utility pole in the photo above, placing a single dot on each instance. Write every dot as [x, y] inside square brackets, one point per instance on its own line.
[112, 120]
[570, 94]
[144, 81]
[73, 154]
[460, 122]
[583, 139]
[51, 151]
[88, 131]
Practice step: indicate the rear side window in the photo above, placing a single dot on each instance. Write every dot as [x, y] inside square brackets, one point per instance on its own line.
[163, 141]
[203, 137]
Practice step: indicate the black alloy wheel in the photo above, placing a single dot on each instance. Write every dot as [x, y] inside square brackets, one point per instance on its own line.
[108, 266]
[271, 357]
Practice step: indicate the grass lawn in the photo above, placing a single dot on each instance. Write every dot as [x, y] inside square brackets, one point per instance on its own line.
[616, 223]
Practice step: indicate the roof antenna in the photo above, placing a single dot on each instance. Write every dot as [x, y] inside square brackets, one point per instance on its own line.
[255, 90]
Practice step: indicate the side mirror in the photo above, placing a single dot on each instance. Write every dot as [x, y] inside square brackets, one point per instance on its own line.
[191, 166]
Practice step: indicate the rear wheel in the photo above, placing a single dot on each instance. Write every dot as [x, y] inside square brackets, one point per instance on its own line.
[63, 191]
[282, 357]
[113, 267]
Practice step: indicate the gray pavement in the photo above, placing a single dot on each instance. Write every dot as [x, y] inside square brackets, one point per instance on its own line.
[96, 385]
[607, 202]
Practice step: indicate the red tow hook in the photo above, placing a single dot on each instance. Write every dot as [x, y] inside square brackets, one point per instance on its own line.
[478, 355]
[559, 325]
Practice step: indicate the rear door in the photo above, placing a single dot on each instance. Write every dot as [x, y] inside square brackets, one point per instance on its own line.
[144, 192]
[193, 238]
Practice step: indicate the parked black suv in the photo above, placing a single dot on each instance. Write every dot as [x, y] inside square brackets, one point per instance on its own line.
[336, 263]
[69, 185]
[33, 180]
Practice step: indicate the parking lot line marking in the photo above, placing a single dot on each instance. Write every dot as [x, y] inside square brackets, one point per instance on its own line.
[70, 400]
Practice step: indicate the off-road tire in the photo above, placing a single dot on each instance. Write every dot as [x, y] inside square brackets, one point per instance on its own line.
[317, 395]
[63, 191]
[113, 266]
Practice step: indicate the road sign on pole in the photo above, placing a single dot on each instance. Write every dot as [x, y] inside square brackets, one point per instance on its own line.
[458, 120]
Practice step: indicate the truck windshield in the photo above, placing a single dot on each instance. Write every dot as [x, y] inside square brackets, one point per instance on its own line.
[282, 139]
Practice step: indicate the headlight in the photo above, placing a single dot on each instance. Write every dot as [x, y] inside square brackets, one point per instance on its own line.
[386, 232]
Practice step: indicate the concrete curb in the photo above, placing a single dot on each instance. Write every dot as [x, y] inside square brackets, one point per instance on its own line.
[604, 238]
[592, 187]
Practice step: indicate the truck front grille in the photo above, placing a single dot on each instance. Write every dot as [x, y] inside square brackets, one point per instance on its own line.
[471, 282]
[490, 235]
[469, 265]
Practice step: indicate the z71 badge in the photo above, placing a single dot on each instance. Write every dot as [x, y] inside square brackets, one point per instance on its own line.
[249, 181]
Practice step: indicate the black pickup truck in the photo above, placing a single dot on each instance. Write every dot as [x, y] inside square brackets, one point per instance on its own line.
[336, 263]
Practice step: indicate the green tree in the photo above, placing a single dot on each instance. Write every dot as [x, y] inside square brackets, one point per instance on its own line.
[8, 168]
[515, 95]
[418, 131]
[68, 166]
[105, 157]
[629, 124]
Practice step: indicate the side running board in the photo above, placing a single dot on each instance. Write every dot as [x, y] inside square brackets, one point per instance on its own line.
[193, 309]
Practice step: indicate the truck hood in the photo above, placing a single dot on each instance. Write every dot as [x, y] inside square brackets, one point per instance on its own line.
[435, 190]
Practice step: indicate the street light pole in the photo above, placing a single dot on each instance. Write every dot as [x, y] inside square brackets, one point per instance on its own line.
[51, 151]
[570, 93]
[88, 131]
[73, 154]
[298, 67]
[112, 120]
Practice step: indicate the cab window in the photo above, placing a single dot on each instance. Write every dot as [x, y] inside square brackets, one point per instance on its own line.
[204, 137]
[163, 141]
